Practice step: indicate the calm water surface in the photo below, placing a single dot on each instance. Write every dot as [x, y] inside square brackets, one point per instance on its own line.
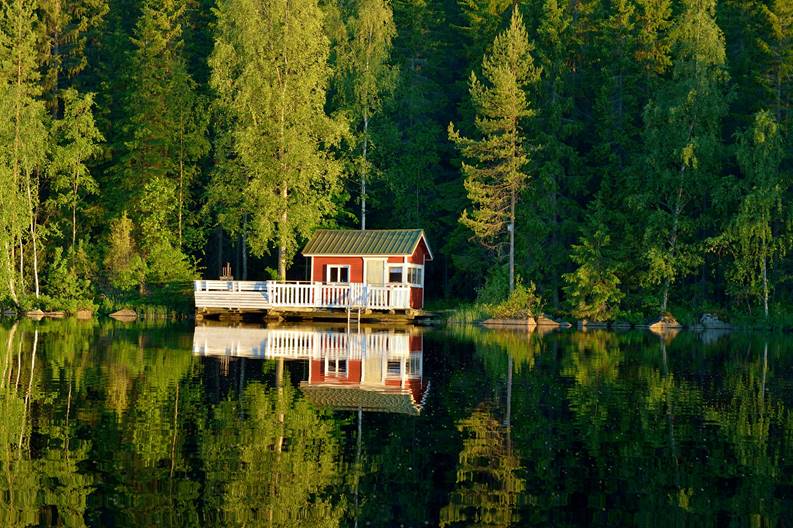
[107, 424]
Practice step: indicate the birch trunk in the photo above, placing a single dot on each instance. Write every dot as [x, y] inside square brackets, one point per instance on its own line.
[33, 240]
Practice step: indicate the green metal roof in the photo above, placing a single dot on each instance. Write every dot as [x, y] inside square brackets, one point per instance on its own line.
[351, 398]
[344, 242]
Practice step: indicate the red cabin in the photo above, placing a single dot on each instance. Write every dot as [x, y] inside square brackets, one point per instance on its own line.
[374, 257]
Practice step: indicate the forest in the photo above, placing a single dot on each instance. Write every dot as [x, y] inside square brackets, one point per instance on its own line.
[615, 158]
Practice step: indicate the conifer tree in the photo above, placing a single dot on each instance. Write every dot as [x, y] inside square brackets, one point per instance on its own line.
[76, 140]
[66, 24]
[555, 209]
[778, 48]
[270, 74]
[499, 158]
[166, 121]
[682, 140]
[366, 75]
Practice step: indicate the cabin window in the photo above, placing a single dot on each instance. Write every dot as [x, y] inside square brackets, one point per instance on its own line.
[337, 368]
[339, 274]
[394, 368]
[395, 274]
[415, 276]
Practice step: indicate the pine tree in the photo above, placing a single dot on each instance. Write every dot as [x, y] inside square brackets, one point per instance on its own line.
[497, 173]
[682, 140]
[363, 63]
[270, 73]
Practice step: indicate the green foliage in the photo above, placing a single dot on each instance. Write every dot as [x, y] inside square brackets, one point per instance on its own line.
[124, 265]
[755, 237]
[593, 288]
[522, 303]
[495, 288]
[270, 76]
[76, 141]
[65, 289]
[498, 169]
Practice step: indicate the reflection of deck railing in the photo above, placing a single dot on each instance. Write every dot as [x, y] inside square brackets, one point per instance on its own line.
[291, 343]
[266, 295]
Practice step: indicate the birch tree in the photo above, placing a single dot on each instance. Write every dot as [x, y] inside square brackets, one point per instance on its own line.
[496, 162]
[270, 75]
[682, 140]
[757, 237]
[23, 134]
[366, 75]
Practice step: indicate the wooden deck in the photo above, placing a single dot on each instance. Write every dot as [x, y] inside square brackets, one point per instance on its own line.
[305, 300]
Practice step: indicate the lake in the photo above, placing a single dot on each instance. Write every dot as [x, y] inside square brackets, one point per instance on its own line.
[160, 424]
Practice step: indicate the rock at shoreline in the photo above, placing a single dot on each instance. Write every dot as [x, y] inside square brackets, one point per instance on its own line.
[545, 320]
[509, 322]
[36, 315]
[586, 324]
[84, 315]
[125, 315]
[712, 322]
[665, 322]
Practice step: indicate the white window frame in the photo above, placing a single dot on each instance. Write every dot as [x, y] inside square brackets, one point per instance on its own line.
[388, 272]
[339, 267]
[414, 266]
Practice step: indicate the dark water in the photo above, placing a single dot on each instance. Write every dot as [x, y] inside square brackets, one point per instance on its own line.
[106, 424]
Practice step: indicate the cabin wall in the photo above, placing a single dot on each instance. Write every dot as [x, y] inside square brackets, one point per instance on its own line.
[320, 267]
[420, 255]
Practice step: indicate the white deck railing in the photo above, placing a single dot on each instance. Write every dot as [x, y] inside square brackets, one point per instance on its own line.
[299, 343]
[274, 294]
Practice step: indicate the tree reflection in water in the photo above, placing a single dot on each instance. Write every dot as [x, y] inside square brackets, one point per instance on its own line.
[106, 424]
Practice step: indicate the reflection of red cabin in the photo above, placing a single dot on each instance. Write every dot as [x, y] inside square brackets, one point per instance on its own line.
[385, 380]
[375, 257]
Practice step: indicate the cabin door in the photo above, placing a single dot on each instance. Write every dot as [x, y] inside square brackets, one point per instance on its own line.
[375, 270]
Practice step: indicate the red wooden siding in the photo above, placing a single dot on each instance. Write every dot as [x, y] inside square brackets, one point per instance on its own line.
[320, 267]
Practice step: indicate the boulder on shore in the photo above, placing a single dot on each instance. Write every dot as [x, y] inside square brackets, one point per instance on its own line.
[591, 325]
[125, 315]
[36, 315]
[712, 322]
[665, 322]
[508, 322]
[84, 315]
[546, 320]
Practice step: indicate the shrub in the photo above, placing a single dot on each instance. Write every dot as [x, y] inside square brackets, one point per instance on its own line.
[524, 302]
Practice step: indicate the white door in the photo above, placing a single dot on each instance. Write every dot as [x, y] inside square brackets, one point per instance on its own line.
[374, 272]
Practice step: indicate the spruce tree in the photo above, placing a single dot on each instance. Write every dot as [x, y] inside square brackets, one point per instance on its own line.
[166, 122]
[270, 75]
[76, 140]
[497, 171]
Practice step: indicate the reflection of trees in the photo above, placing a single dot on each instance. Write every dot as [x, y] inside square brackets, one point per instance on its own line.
[270, 460]
[487, 486]
[48, 488]
[521, 345]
